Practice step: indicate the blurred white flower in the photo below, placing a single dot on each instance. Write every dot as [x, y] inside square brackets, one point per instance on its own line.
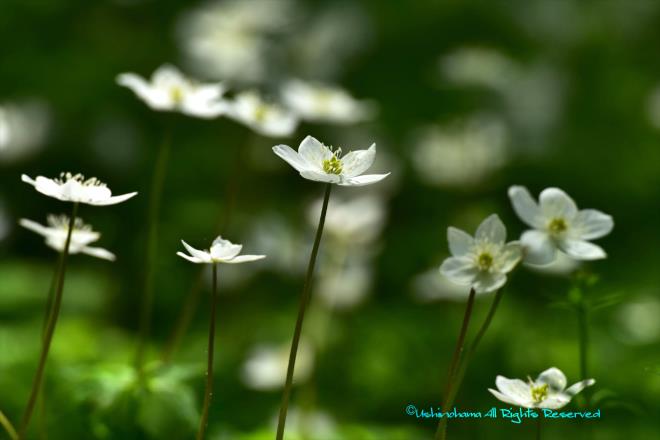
[266, 365]
[461, 153]
[23, 129]
[547, 391]
[75, 188]
[170, 90]
[266, 118]
[323, 103]
[355, 221]
[481, 262]
[222, 251]
[81, 236]
[277, 238]
[315, 161]
[558, 225]
[653, 107]
[432, 286]
[231, 39]
[637, 321]
[479, 66]
[4, 222]
[345, 286]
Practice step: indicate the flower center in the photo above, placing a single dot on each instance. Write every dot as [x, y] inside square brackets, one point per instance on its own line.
[176, 94]
[260, 113]
[539, 394]
[333, 165]
[557, 226]
[66, 177]
[485, 261]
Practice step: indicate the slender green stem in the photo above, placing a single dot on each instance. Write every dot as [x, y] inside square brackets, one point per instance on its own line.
[192, 297]
[538, 427]
[441, 433]
[4, 421]
[157, 181]
[49, 299]
[50, 328]
[583, 338]
[460, 375]
[304, 300]
[208, 392]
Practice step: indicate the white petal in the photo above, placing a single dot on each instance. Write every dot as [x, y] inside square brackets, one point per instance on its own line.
[515, 389]
[486, 282]
[554, 401]
[525, 206]
[49, 187]
[577, 387]
[509, 256]
[244, 259]
[539, 249]
[459, 241]
[222, 249]
[314, 152]
[507, 399]
[201, 255]
[592, 224]
[112, 200]
[491, 230]
[291, 157]
[365, 179]
[166, 75]
[554, 378]
[155, 98]
[191, 259]
[204, 110]
[357, 162]
[460, 270]
[320, 176]
[98, 253]
[35, 227]
[581, 250]
[27, 179]
[556, 203]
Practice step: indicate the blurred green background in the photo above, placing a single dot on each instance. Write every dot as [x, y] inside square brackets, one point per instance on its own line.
[473, 97]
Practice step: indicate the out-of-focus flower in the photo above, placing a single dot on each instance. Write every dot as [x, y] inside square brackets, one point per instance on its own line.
[75, 188]
[4, 222]
[653, 107]
[323, 103]
[265, 118]
[356, 221]
[23, 129]
[56, 232]
[315, 161]
[345, 286]
[547, 391]
[461, 153]
[558, 225]
[479, 66]
[432, 286]
[170, 90]
[232, 39]
[637, 321]
[222, 251]
[266, 365]
[481, 262]
[280, 241]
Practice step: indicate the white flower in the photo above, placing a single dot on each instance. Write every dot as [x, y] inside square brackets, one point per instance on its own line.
[559, 225]
[75, 188]
[265, 118]
[357, 221]
[170, 90]
[319, 103]
[481, 262]
[265, 367]
[318, 162]
[547, 391]
[222, 251]
[23, 128]
[81, 236]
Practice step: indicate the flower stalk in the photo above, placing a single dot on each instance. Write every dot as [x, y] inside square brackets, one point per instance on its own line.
[157, 182]
[304, 300]
[458, 351]
[50, 327]
[11, 431]
[208, 392]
